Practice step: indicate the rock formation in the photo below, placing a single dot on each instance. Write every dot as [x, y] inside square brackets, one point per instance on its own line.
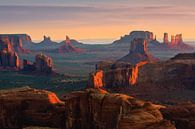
[8, 58]
[89, 109]
[25, 107]
[138, 52]
[68, 47]
[182, 114]
[166, 38]
[177, 72]
[42, 64]
[17, 41]
[115, 74]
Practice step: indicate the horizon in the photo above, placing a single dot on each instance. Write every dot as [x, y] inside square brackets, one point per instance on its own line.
[91, 20]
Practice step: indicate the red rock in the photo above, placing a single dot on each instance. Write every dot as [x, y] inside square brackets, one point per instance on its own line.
[138, 52]
[166, 38]
[43, 63]
[8, 58]
[68, 47]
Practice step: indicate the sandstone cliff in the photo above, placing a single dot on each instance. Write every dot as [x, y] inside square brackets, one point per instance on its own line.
[8, 58]
[42, 64]
[89, 109]
[17, 41]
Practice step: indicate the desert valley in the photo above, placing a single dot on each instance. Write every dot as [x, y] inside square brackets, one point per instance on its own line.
[97, 64]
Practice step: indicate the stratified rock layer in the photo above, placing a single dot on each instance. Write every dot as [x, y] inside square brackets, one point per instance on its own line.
[89, 109]
[17, 41]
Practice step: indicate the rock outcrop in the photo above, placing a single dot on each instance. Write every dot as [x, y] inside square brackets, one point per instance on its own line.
[8, 58]
[176, 73]
[24, 107]
[42, 64]
[114, 74]
[182, 114]
[68, 47]
[17, 41]
[138, 52]
[98, 109]
[166, 38]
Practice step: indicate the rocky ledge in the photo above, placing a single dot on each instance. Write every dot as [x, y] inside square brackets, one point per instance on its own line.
[89, 109]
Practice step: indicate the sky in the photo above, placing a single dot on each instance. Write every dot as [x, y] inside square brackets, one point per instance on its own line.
[97, 19]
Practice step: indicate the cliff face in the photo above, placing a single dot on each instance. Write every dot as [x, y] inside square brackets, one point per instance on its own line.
[68, 47]
[42, 64]
[138, 52]
[25, 107]
[116, 74]
[177, 72]
[17, 41]
[8, 58]
[97, 109]
[87, 109]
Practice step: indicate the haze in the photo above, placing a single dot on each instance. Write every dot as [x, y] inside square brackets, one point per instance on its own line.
[96, 19]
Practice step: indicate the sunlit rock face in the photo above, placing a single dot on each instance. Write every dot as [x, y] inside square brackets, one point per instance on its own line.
[68, 47]
[24, 107]
[98, 109]
[17, 41]
[115, 74]
[8, 58]
[138, 52]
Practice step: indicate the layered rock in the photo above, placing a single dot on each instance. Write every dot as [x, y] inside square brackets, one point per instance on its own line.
[8, 58]
[138, 52]
[68, 47]
[89, 109]
[17, 41]
[175, 73]
[29, 107]
[115, 74]
[101, 110]
[42, 64]
[182, 114]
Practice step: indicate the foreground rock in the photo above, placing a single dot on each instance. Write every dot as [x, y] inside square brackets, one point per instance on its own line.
[138, 52]
[183, 115]
[89, 109]
[25, 107]
[42, 64]
[8, 57]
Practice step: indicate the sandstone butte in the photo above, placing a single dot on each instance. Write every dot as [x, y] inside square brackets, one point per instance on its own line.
[8, 58]
[89, 109]
[42, 64]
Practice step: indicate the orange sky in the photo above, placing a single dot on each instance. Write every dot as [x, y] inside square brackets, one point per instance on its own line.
[97, 19]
